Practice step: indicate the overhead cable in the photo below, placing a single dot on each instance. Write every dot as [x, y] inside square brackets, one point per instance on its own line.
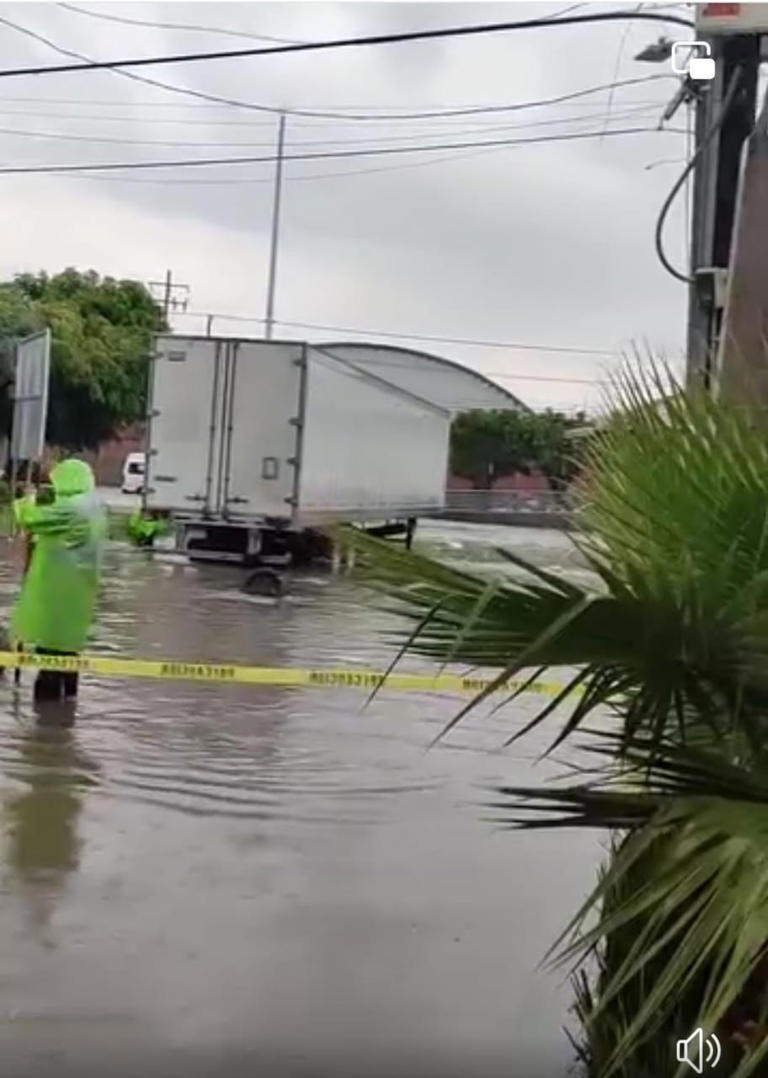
[402, 37]
[714, 127]
[176, 26]
[206, 162]
[409, 336]
[326, 114]
[63, 136]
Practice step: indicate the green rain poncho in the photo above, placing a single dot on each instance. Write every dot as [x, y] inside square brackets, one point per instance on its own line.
[56, 603]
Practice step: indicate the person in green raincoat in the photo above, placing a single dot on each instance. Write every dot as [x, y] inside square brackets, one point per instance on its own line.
[55, 607]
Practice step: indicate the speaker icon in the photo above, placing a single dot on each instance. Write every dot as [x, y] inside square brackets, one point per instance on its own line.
[692, 1051]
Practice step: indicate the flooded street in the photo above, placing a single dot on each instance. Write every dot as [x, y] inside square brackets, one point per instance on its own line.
[206, 879]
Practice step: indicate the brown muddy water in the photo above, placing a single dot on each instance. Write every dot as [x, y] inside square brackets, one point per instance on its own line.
[201, 880]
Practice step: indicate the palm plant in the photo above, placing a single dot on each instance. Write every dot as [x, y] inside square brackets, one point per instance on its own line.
[671, 643]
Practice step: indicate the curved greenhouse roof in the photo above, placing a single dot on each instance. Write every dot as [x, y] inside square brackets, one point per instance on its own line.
[442, 381]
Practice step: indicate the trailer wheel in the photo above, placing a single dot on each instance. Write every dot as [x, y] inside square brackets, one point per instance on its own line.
[264, 582]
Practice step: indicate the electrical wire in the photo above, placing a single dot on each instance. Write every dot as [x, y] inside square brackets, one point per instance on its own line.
[714, 127]
[176, 26]
[342, 116]
[60, 136]
[408, 336]
[617, 66]
[219, 30]
[467, 155]
[27, 170]
[350, 42]
[144, 79]
[316, 113]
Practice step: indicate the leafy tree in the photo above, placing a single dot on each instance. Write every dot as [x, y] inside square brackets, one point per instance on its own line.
[485, 445]
[101, 336]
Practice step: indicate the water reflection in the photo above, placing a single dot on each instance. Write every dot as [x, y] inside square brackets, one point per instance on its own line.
[40, 823]
[281, 872]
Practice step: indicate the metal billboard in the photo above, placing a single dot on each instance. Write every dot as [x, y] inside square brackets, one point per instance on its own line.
[30, 396]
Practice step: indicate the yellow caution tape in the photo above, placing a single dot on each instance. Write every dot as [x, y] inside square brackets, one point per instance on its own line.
[233, 674]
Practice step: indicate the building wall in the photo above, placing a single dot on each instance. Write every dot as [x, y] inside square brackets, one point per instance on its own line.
[518, 481]
[107, 462]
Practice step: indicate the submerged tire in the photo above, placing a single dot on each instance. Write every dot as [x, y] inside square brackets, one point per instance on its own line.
[264, 582]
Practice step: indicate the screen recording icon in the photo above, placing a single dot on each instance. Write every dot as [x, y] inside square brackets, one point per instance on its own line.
[694, 59]
[699, 1051]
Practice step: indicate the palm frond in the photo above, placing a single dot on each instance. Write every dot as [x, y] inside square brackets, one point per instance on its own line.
[678, 923]
[675, 519]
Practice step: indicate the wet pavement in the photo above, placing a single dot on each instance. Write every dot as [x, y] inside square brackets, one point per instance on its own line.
[206, 879]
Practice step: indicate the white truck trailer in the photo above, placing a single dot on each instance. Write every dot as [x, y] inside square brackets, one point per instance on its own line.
[254, 445]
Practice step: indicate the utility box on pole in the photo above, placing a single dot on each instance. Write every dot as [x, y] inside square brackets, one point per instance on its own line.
[718, 19]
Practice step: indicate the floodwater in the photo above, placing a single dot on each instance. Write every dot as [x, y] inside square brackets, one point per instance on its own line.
[205, 879]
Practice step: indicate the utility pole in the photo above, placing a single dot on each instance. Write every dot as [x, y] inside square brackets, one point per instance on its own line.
[167, 289]
[715, 192]
[743, 351]
[269, 322]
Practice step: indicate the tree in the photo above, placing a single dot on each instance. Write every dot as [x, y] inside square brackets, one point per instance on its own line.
[101, 337]
[485, 445]
[666, 688]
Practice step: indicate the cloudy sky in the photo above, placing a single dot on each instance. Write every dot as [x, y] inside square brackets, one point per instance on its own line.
[546, 244]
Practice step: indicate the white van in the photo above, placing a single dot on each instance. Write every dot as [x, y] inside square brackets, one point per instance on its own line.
[133, 473]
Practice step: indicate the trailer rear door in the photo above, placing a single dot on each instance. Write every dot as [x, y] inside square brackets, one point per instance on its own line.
[263, 429]
[184, 464]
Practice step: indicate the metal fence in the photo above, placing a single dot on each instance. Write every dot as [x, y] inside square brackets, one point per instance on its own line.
[508, 501]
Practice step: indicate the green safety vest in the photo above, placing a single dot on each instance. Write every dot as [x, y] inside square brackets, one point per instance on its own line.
[56, 603]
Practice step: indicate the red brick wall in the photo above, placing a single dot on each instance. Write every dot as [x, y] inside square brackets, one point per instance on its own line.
[107, 462]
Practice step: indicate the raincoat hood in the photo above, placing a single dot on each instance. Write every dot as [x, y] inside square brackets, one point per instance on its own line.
[71, 477]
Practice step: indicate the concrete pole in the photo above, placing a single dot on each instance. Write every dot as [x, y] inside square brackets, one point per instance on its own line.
[743, 352]
[716, 180]
[269, 323]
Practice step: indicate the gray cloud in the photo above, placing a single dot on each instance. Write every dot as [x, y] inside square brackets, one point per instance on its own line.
[548, 244]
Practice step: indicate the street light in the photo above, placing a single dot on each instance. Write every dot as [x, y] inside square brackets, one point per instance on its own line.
[657, 53]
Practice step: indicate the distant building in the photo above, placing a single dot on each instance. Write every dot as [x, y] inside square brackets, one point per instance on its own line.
[442, 381]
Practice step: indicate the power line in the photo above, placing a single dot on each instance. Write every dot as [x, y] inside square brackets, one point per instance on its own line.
[324, 155]
[169, 87]
[410, 336]
[176, 26]
[216, 29]
[512, 376]
[351, 42]
[60, 136]
[467, 155]
[220, 30]
[302, 121]
[617, 65]
[315, 113]
[432, 110]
